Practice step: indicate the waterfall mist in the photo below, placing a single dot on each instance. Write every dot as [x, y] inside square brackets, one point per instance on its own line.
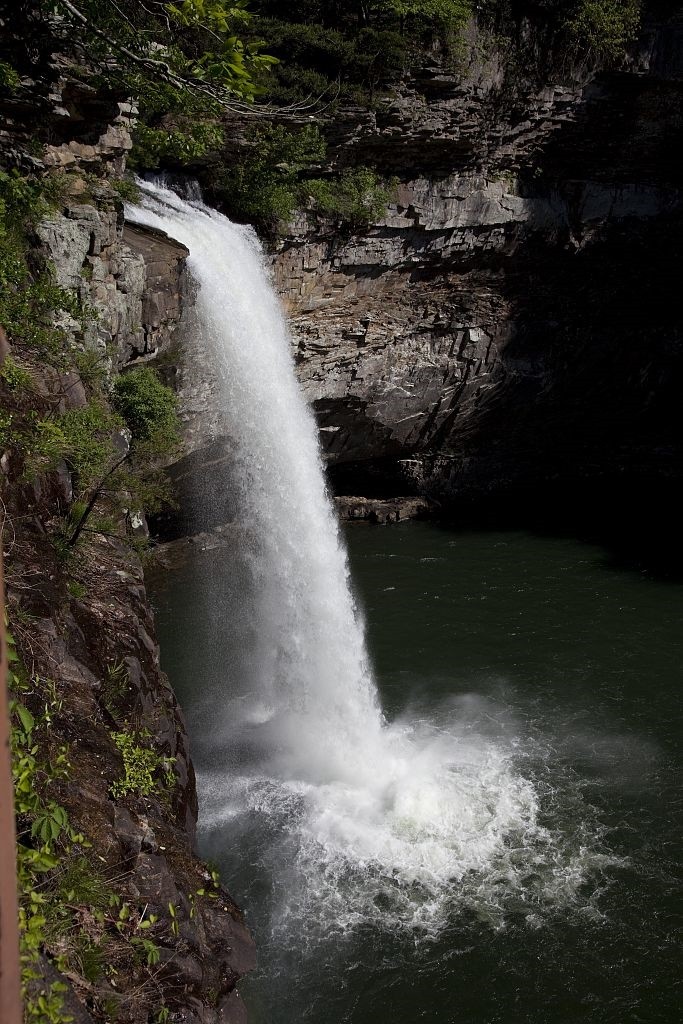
[361, 821]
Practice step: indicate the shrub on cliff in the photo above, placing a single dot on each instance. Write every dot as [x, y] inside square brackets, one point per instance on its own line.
[28, 295]
[598, 29]
[604, 27]
[355, 197]
[148, 408]
[123, 475]
[264, 185]
[275, 178]
[351, 52]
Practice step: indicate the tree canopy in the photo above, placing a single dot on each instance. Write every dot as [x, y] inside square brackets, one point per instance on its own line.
[195, 46]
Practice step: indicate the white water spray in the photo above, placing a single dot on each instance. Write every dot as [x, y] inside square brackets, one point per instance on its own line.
[382, 822]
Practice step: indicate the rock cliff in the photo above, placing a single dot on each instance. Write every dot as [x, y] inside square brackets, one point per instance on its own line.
[512, 319]
[84, 629]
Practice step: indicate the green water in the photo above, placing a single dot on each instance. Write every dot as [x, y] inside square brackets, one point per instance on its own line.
[576, 667]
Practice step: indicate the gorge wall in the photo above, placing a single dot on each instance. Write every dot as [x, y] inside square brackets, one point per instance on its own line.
[509, 329]
[82, 623]
[512, 321]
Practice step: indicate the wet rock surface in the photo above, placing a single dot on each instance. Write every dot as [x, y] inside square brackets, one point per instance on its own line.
[99, 648]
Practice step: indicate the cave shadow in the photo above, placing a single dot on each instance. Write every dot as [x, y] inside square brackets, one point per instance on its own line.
[581, 434]
[636, 520]
[635, 523]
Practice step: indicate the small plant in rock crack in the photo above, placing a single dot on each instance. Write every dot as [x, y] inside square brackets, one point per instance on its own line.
[115, 686]
[76, 590]
[175, 925]
[148, 951]
[141, 766]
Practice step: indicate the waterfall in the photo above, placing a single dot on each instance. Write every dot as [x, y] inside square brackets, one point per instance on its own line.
[312, 667]
[372, 821]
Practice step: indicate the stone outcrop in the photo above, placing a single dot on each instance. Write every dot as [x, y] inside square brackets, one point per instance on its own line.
[133, 279]
[93, 635]
[490, 328]
[167, 292]
[374, 510]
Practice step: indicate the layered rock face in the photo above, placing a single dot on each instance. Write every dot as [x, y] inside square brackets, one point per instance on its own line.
[86, 625]
[512, 318]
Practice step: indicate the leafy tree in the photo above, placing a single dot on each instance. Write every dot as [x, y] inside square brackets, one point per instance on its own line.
[338, 12]
[441, 13]
[264, 186]
[356, 197]
[148, 409]
[605, 27]
[195, 46]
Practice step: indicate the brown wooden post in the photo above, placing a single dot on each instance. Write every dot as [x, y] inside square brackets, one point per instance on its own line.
[10, 978]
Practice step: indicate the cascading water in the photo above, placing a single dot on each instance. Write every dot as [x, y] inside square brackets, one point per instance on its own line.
[373, 822]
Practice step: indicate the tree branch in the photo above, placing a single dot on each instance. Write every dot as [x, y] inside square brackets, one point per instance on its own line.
[166, 72]
[80, 525]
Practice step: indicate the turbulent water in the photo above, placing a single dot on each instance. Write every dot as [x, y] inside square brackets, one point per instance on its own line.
[350, 821]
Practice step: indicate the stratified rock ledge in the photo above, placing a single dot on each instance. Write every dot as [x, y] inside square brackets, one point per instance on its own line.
[381, 511]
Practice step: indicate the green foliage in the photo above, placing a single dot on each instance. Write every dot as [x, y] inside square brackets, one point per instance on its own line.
[28, 300]
[317, 61]
[357, 197]
[90, 957]
[92, 367]
[271, 182]
[126, 189]
[9, 78]
[350, 52]
[175, 925]
[26, 303]
[46, 1007]
[68, 910]
[196, 46]
[79, 883]
[14, 375]
[598, 29]
[604, 27]
[234, 64]
[83, 438]
[264, 186]
[43, 832]
[88, 439]
[155, 147]
[140, 766]
[149, 410]
[431, 20]
[445, 12]
[147, 949]
[91, 441]
[22, 197]
[115, 687]
[76, 589]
